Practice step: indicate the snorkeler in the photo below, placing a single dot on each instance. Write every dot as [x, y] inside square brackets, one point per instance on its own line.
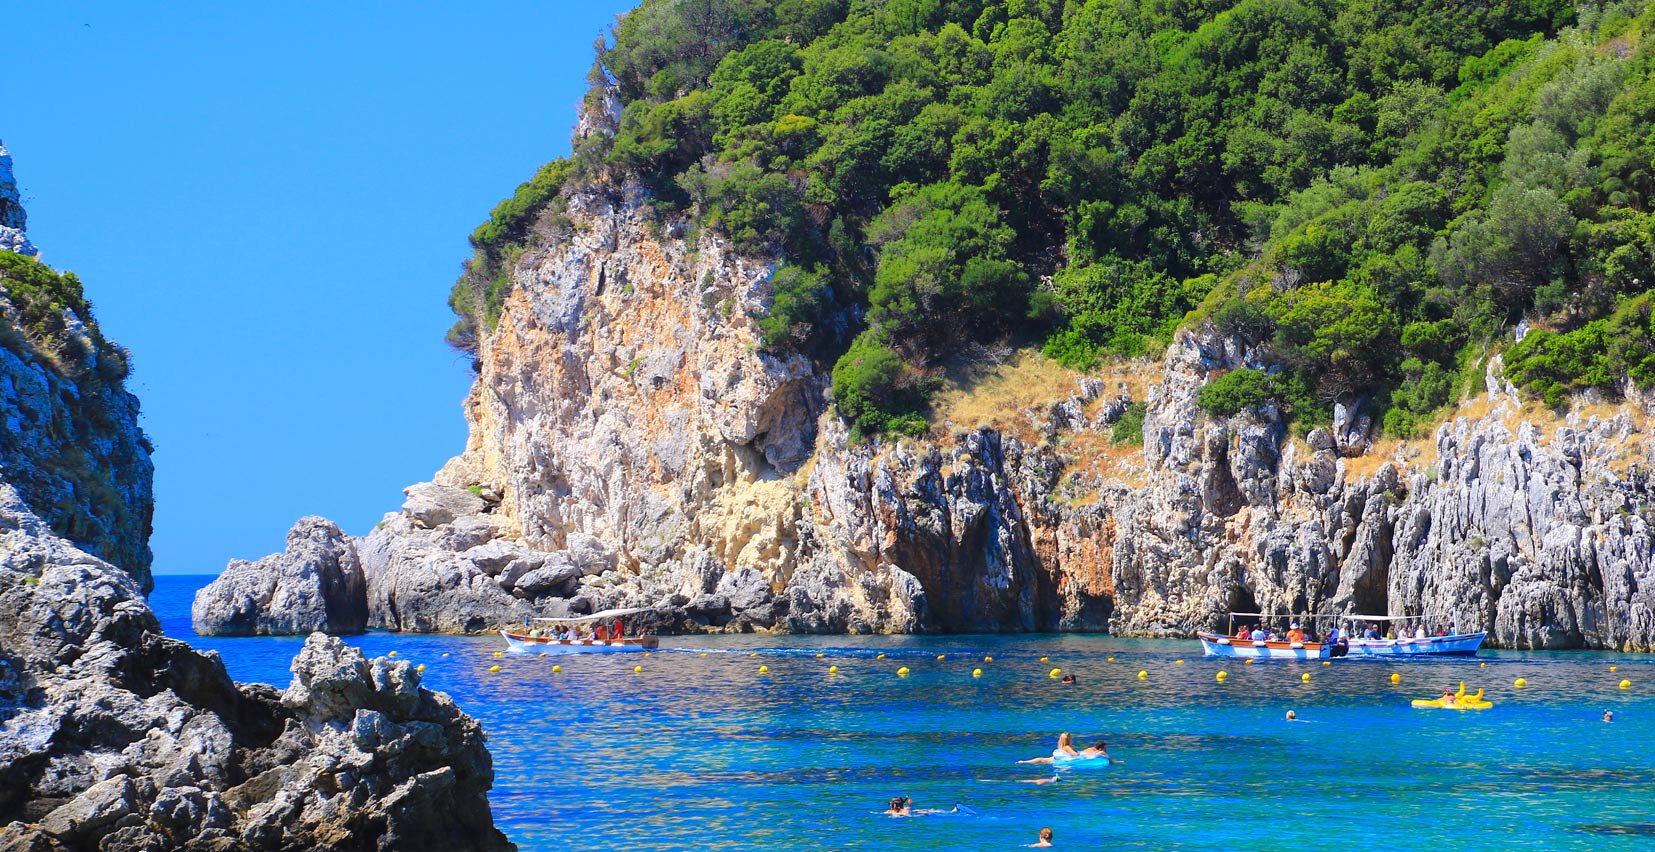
[903, 806]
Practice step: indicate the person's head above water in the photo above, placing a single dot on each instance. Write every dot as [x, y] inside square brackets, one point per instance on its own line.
[1292, 716]
[1100, 745]
[1064, 740]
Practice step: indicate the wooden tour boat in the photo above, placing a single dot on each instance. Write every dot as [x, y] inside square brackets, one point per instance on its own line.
[547, 635]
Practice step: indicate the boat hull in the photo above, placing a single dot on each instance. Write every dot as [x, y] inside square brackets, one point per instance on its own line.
[1214, 645]
[518, 641]
[1463, 645]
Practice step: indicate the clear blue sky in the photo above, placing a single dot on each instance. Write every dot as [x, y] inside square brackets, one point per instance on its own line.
[268, 203]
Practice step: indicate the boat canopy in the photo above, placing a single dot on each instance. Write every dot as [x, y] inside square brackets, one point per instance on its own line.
[1335, 617]
[596, 616]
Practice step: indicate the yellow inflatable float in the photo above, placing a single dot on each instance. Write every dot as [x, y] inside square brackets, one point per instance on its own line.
[1457, 701]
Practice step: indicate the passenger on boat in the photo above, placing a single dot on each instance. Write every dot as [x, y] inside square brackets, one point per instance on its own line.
[1419, 632]
[1243, 633]
[600, 633]
[618, 633]
[1258, 634]
[1390, 633]
[1045, 841]
[1370, 633]
[1295, 633]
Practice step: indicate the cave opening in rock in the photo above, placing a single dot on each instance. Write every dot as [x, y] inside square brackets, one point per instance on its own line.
[1241, 600]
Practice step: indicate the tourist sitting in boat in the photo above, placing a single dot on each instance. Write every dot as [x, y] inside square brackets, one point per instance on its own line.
[600, 633]
[618, 633]
[1258, 634]
[1244, 633]
[1295, 633]
[1370, 633]
[1419, 632]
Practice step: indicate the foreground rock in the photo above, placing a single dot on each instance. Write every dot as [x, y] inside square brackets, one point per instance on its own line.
[316, 584]
[113, 737]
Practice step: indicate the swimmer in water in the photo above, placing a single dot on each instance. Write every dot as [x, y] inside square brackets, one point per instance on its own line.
[1448, 699]
[1068, 680]
[1608, 716]
[903, 806]
[1292, 717]
[1045, 841]
[1065, 751]
[1097, 749]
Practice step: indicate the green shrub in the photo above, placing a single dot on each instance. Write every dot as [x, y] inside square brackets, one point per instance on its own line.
[1129, 429]
[876, 391]
[1235, 391]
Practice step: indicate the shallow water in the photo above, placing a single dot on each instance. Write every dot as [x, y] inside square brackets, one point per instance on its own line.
[703, 752]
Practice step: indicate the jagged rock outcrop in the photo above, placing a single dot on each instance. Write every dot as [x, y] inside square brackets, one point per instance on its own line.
[69, 436]
[14, 221]
[114, 737]
[317, 584]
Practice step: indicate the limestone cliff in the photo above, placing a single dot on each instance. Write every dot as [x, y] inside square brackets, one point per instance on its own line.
[623, 402]
[69, 436]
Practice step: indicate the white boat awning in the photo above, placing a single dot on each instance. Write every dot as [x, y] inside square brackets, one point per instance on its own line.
[596, 616]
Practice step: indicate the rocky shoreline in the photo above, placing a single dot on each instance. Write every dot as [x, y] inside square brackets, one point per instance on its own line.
[631, 445]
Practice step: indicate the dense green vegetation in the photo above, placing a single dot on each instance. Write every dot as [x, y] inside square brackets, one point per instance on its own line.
[1378, 192]
[479, 294]
[54, 318]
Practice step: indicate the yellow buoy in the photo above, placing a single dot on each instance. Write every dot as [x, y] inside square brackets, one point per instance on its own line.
[1626, 684]
[1143, 675]
[420, 667]
[1485, 665]
[902, 672]
[392, 654]
[494, 668]
[1045, 659]
[833, 669]
[1247, 662]
[1054, 673]
[702, 654]
[1327, 662]
[445, 655]
[1520, 682]
[647, 653]
[1396, 678]
[637, 669]
[940, 656]
[1614, 668]
[976, 672]
[880, 657]
[764, 669]
[819, 656]
[542, 653]
[1110, 660]
[498, 654]
[988, 659]
[557, 668]
[1221, 675]
[754, 654]
[1177, 662]
[1304, 678]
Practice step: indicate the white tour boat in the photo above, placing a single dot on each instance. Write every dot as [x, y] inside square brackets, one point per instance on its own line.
[1405, 644]
[579, 634]
[1408, 644]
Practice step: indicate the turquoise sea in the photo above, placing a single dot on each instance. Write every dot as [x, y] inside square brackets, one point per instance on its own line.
[705, 753]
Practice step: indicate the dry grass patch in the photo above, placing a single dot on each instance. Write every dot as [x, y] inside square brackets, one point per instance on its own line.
[996, 391]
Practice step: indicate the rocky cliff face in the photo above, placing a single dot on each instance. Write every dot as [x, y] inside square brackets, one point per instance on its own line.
[623, 403]
[115, 737]
[69, 436]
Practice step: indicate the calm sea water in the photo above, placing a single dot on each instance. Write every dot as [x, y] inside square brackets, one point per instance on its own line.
[703, 752]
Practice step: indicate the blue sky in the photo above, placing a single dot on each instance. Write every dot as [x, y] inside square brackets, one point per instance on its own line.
[268, 203]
